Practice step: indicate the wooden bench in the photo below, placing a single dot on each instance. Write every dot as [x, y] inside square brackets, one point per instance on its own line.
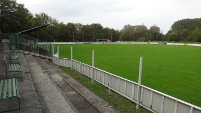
[9, 95]
[12, 67]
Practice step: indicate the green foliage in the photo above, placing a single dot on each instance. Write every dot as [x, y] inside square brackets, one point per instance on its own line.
[155, 28]
[165, 68]
[14, 17]
[173, 36]
[194, 35]
[189, 24]
[186, 30]
[134, 33]
[127, 33]
[142, 39]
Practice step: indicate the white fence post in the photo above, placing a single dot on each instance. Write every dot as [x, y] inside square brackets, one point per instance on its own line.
[92, 75]
[58, 51]
[52, 49]
[109, 83]
[71, 58]
[139, 82]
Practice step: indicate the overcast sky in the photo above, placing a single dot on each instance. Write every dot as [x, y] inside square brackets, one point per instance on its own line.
[117, 13]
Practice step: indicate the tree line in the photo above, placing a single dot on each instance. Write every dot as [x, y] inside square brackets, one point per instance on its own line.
[185, 30]
[14, 17]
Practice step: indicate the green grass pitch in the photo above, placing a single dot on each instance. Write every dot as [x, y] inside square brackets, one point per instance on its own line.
[174, 70]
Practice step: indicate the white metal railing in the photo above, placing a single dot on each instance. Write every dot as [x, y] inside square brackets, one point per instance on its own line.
[151, 99]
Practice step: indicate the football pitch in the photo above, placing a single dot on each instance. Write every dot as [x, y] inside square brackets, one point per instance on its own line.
[173, 70]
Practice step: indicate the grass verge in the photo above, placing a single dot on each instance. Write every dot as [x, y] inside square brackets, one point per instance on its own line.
[119, 102]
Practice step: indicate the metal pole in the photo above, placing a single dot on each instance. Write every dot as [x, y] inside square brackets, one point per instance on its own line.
[38, 45]
[139, 83]
[92, 75]
[71, 58]
[58, 51]
[73, 37]
[52, 49]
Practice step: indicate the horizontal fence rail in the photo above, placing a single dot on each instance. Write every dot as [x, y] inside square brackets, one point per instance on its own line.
[151, 99]
[125, 42]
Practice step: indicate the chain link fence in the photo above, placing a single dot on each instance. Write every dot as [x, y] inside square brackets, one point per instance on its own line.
[35, 45]
[25, 43]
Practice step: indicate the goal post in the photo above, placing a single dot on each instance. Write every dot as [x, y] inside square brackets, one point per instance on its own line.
[104, 40]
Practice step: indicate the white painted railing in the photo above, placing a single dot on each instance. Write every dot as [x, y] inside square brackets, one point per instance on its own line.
[151, 99]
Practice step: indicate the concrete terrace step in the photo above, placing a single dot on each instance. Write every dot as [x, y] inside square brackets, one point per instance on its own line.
[82, 99]
[77, 101]
[51, 100]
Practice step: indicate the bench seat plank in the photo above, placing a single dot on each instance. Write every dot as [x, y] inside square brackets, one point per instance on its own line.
[5, 89]
[1, 88]
[14, 87]
[9, 88]
[17, 88]
[13, 67]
